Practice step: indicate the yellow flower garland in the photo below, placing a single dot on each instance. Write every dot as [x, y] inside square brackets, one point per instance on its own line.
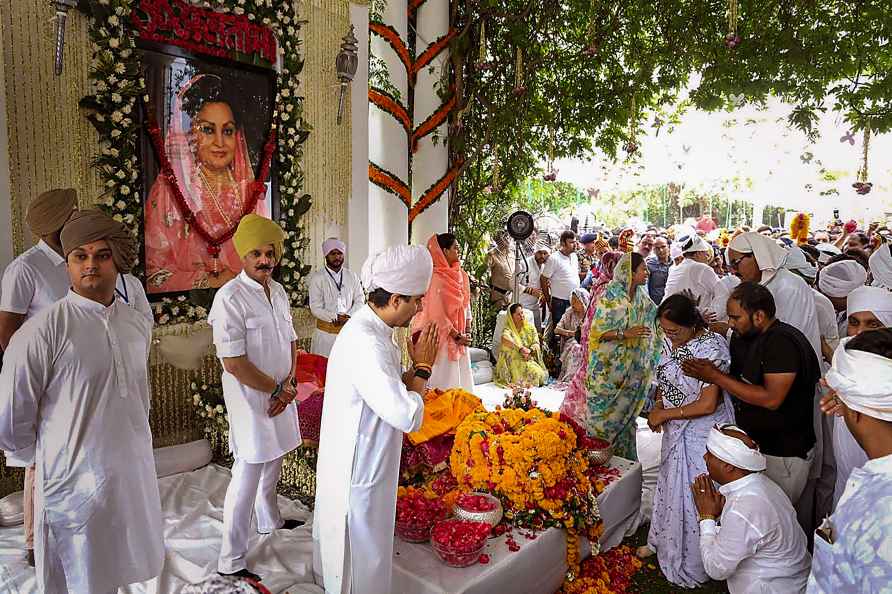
[529, 459]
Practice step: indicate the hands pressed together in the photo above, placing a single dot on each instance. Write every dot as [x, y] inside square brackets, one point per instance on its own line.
[286, 396]
[708, 500]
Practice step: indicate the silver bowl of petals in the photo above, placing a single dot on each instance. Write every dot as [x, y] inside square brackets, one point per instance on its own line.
[599, 452]
[478, 507]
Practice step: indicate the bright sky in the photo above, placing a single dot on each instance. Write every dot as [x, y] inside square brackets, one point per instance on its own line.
[703, 153]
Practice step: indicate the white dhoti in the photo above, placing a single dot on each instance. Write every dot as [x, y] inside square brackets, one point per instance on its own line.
[447, 374]
[252, 488]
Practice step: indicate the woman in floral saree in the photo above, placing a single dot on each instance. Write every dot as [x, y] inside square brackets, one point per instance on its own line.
[520, 355]
[608, 393]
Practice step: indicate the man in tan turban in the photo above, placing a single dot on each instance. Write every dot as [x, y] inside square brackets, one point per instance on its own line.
[257, 345]
[32, 282]
[75, 388]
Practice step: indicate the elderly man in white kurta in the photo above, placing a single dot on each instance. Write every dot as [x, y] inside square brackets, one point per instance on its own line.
[75, 385]
[335, 295]
[369, 404]
[749, 535]
[256, 343]
[32, 282]
[695, 277]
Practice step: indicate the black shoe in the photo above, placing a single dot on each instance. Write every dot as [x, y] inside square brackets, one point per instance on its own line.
[30, 557]
[243, 573]
[292, 524]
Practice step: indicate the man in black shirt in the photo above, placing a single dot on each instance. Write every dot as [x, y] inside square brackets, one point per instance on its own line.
[772, 379]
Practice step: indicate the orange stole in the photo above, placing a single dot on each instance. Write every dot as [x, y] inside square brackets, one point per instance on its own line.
[444, 412]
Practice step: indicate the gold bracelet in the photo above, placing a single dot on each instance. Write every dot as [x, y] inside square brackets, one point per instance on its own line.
[706, 517]
[423, 366]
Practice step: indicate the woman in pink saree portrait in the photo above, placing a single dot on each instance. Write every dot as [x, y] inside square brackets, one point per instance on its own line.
[209, 156]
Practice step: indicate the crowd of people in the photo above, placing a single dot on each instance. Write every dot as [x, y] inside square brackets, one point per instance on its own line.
[764, 362]
[730, 342]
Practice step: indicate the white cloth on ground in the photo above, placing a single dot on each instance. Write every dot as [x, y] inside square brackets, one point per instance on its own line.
[562, 271]
[366, 410]
[247, 323]
[332, 293]
[881, 266]
[252, 491]
[75, 382]
[841, 278]
[760, 547]
[400, 269]
[877, 300]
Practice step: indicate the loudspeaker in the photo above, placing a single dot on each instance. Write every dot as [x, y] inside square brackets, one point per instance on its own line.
[520, 225]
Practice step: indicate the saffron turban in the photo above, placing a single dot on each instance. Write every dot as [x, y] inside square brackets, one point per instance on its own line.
[333, 243]
[876, 300]
[841, 278]
[48, 212]
[862, 380]
[255, 231]
[797, 262]
[768, 254]
[87, 226]
[401, 270]
[733, 450]
[881, 266]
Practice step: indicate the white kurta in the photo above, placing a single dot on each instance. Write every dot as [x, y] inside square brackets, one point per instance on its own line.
[827, 321]
[795, 304]
[75, 382]
[327, 301]
[759, 547]
[366, 411]
[246, 323]
[697, 278]
[35, 280]
[130, 291]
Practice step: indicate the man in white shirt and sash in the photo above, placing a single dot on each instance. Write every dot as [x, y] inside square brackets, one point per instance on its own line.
[758, 546]
[335, 295]
[75, 386]
[529, 285]
[257, 345]
[369, 404]
[32, 282]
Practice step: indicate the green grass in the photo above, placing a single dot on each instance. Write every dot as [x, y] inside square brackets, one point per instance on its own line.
[650, 580]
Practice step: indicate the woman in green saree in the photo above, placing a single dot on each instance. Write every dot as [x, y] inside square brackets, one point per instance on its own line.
[624, 345]
[520, 355]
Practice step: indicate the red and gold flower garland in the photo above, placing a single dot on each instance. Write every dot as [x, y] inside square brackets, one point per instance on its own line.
[388, 104]
[390, 182]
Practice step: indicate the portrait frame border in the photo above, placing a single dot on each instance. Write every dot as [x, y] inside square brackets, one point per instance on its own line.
[117, 93]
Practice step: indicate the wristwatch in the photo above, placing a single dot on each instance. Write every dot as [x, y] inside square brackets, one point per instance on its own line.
[422, 372]
[277, 391]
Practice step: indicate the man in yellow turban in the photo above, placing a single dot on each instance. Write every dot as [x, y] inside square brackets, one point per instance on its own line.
[257, 346]
[32, 282]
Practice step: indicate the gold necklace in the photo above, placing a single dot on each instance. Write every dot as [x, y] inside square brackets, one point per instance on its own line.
[215, 194]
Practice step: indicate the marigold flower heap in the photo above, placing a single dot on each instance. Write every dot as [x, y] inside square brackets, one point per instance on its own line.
[531, 460]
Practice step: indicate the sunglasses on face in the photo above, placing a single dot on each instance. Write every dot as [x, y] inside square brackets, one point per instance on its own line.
[736, 261]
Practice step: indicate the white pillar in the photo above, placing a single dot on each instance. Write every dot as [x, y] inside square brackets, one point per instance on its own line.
[6, 247]
[430, 161]
[388, 143]
[359, 231]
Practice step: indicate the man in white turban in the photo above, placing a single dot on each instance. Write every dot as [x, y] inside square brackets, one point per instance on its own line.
[759, 546]
[839, 279]
[529, 282]
[881, 266]
[868, 308]
[852, 551]
[369, 404]
[756, 258]
[335, 295]
[826, 252]
[694, 277]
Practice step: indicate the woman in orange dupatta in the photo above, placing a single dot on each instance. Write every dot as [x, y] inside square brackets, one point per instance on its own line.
[447, 303]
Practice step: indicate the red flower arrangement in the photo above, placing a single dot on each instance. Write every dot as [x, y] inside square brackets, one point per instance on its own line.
[475, 503]
[459, 542]
[416, 514]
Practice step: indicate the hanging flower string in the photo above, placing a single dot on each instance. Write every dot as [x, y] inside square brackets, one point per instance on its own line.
[862, 186]
[732, 39]
[255, 189]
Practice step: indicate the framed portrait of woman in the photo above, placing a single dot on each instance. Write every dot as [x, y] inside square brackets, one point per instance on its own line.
[214, 118]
